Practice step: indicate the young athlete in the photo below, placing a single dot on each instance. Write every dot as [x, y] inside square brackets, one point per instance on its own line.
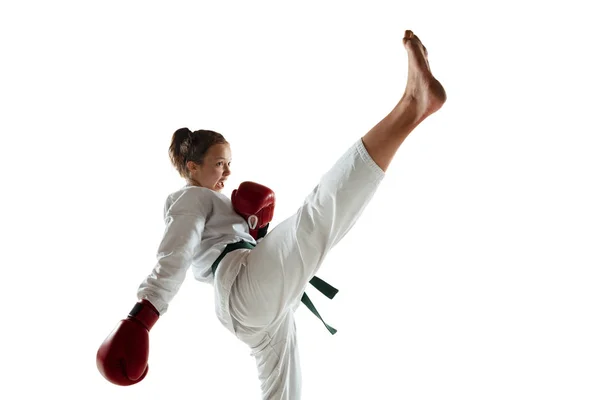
[259, 284]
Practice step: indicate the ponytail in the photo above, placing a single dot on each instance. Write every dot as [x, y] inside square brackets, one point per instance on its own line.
[179, 149]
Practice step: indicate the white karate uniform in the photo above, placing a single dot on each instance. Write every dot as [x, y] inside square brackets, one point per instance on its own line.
[257, 291]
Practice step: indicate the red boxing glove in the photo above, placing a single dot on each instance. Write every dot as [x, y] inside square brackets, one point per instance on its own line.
[123, 356]
[256, 204]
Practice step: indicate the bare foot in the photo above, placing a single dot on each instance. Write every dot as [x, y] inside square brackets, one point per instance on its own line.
[424, 94]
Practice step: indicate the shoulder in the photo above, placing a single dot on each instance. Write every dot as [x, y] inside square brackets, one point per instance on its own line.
[190, 200]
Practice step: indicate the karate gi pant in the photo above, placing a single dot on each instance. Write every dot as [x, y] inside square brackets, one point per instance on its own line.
[273, 276]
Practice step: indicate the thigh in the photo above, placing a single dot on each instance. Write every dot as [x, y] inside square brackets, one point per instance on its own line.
[262, 291]
[279, 267]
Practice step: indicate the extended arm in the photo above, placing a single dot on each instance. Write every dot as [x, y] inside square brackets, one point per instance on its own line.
[123, 356]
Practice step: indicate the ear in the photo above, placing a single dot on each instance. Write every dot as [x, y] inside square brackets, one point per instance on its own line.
[191, 166]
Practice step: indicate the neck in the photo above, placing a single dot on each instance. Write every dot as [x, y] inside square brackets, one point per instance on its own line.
[193, 182]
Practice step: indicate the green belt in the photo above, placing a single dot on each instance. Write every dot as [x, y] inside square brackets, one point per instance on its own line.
[318, 283]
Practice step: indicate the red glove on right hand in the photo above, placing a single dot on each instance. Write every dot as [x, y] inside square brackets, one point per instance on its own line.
[123, 356]
[256, 203]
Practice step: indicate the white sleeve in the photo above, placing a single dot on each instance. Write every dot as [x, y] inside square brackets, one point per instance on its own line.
[183, 233]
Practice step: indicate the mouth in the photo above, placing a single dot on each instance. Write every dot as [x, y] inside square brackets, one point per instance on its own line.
[220, 184]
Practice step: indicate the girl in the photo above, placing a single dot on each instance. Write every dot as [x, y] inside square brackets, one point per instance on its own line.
[257, 290]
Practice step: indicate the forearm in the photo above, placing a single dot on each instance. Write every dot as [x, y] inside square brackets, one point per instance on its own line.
[163, 283]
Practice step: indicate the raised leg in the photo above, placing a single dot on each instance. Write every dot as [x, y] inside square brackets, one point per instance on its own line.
[279, 268]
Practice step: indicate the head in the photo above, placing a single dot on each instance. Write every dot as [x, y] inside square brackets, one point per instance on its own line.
[201, 157]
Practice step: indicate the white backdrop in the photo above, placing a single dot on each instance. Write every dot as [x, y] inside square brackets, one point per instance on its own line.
[473, 274]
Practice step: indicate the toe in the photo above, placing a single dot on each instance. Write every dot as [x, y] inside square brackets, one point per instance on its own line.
[417, 40]
[419, 45]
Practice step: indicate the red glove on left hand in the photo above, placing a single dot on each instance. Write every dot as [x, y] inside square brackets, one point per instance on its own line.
[256, 203]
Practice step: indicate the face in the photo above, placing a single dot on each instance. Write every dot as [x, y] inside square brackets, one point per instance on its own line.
[214, 170]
